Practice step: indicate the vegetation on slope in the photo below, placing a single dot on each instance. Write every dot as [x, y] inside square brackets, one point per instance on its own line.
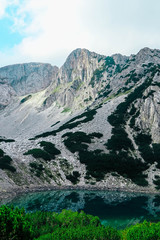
[74, 122]
[98, 163]
[16, 224]
[5, 162]
[120, 144]
[25, 99]
[6, 140]
[48, 153]
[120, 158]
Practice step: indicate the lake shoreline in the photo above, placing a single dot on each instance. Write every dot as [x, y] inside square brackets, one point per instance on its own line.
[17, 191]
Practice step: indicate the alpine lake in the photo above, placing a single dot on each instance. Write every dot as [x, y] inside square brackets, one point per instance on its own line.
[114, 208]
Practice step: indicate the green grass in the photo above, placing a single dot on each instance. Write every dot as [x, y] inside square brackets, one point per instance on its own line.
[57, 89]
[65, 110]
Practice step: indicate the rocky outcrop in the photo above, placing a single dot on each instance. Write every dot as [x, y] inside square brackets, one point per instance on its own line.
[6, 93]
[29, 77]
[72, 87]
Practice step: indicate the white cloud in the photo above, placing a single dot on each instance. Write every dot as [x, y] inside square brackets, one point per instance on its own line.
[4, 4]
[53, 28]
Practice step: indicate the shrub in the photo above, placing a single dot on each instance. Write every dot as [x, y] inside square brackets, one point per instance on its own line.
[145, 230]
[74, 178]
[50, 222]
[55, 123]
[14, 224]
[6, 140]
[99, 164]
[88, 116]
[119, 140]
[109, 61]
[156, 152]
[50, 148]
[1, 153]
[37, 168]
[38, 153]
[157, 182]
[5, 163]
[83, 233]
[142, 139]
[75, 141]
[42, 223]
[25, 99]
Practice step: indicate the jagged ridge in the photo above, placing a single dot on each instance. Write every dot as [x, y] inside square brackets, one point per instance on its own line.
[69, 108]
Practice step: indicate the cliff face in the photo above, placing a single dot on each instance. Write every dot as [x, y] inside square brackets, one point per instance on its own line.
[6, 93]
[73, 88]
[28, 78]
[93, 122]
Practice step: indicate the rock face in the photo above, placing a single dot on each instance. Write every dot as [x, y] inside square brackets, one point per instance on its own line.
[92, 123]
[6, 93]
[74, 78]
[28, 78]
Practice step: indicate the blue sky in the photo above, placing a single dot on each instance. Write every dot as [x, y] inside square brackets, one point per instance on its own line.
[48, 30]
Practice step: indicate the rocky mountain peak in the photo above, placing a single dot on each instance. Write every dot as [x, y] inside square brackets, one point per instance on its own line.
[146, 55]
[120, 59]
[80, 64]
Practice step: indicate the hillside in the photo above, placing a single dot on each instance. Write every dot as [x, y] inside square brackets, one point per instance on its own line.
[93, 123]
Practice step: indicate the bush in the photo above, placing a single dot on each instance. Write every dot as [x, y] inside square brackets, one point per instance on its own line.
[36, 168]
[5, 163]
[156, 151]
[50, 149]
[99, 164]
[74, 178]
[50, 222]
[42, 223]
[88, 116]
[142, 139]
[145, 230]
[83, 233]
[68, 225]
[119, 140]
[14, 224]
[6, 140]
[38, 153]
[75, 141]
[25, 99]
[1, 153]
[109, 61]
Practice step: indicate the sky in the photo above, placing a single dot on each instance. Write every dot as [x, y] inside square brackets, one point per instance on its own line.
[48, 30]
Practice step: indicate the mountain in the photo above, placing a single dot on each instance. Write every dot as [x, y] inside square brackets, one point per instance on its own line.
[93, 123]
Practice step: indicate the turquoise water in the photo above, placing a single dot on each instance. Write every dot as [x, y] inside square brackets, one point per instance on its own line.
[118, 209]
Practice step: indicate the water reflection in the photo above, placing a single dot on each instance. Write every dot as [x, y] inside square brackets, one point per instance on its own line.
[119, 209]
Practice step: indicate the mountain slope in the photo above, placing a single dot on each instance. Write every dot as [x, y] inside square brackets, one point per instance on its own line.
[93, 123]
